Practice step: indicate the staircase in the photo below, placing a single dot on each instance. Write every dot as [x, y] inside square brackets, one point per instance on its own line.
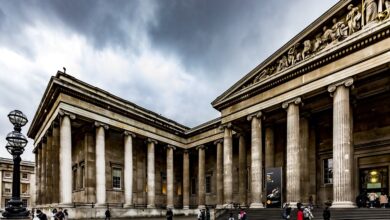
[336, 214]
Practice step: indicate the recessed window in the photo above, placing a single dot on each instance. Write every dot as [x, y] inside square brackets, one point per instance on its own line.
[82, 178]
[24, 176]
[193, 186]
[74, 178]
[25, 203]
[24, 188]
[7, 175]
[208, 184]
[328, 171]
[163, 184]
[116, 178]
[7, 188]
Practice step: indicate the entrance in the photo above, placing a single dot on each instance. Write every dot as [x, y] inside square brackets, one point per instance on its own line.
[374, 180]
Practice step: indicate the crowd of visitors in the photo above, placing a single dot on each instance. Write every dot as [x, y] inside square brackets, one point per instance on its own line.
[372, 200]
[54, 215]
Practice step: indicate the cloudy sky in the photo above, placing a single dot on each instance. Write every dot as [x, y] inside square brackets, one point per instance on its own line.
[170, 56]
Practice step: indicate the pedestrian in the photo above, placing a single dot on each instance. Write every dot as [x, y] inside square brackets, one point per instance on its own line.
[231, 216]
[383, 200]
[286, 211]
[59, 215]
[326, 213]
[243, 215]
[66, 215]
[53, 214]
[169, 214]
[300, 211]
[307, 215]
[108, 214]
[311, 202]
[200, 214]
[372, 198]
[41, 215]
[207, 213]
[203, 214]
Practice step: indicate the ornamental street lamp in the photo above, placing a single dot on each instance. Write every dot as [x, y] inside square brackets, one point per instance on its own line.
[15, 146]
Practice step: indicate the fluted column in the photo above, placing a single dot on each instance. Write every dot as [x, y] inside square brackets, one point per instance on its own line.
[219, 173]
[56, 158]
[304, 158]
[269, 148]
[43, 186]
[151, 174]
[228, 165]
[293, 176]
[49, 162]
[39, 174]
[242, 184]
[170, 174]
[201, 177]
[342, 145]
[256, 160]
[66, 158]
[128, 142]
[100, 164]
[186, 180]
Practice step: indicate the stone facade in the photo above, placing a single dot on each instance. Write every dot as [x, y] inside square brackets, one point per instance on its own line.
[27, 182]
[318, 108]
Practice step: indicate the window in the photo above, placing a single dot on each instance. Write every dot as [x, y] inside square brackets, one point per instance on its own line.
[116, 178]
[82, 178]
[24, 188]
[7, 175]
[24, 203]
[208, 184]
[163, 184]
[328, 171]
[24, 176]
[74, 178]
[6, 202]
[193, 186]
[7, 187]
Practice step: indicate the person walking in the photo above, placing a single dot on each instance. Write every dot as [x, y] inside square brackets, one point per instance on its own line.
[383, 199]
[300, 211]
[208, 213]
[372, 198]
[108, 214]
[231, 216]
[326, 213]
[169, 214]
[307, 215]
[200, 214]
[41, 215]
[66, 215]
[243, 215]
[286, 211]
[59, 215]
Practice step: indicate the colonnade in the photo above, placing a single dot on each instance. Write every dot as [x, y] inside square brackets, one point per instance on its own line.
[59, 142]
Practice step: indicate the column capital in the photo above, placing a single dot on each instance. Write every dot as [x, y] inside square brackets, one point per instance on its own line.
[201, 147]
[257, 115]
[43, 140]
[219, 141]
[128, 133]
[54, 124]
[226, 125]
[63, 113]
[348, 82]
[170, 146]
[296, 101]
[151, 140]
[100, 124]
[48, 132]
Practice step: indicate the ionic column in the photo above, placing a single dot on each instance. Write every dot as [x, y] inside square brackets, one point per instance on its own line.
[36, 178]
[186, 180]
[49, 174]
[39, 174]
[128, 142]
[151, 174]
[228, 165]
[100, 164]
[304, 158]
[56, 158]
[66, 158]
[219, 173]
[170, 175]
[1, 187]
[342, 145]
[242, 187]
[269, 148]
[201, 177]
[256, 160]
[293, 176]
[43, 186]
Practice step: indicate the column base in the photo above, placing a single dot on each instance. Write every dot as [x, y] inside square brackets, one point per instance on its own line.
[186, 207]
[219, 206]
[343, 204]
[128, 206]
[65, 205]
[201, 207]
[151, 206]
[170, 206]
[228, 206]
[256, 205]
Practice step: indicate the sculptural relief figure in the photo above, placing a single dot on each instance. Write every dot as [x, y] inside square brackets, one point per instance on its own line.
[291, 55]
[353, 19]
[306, 48]
[282, 64]
[264, 74]
[327, 37]
[338, 29]
[317, 43]
[387, 6]
[371, 10]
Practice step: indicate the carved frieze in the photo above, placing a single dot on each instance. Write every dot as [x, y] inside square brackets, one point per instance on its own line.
[353, 19]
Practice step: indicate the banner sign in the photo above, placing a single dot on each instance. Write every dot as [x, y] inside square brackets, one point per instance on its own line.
[273, 185]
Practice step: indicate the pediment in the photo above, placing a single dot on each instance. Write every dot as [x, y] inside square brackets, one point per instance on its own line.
[345, 20]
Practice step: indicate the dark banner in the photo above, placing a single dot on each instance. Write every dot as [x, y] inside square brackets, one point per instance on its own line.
[273, 184]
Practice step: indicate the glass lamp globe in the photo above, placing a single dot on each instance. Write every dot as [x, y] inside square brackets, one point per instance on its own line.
[17, 118]
[16, 142]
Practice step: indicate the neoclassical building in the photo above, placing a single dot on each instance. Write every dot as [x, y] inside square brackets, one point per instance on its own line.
[318, 109]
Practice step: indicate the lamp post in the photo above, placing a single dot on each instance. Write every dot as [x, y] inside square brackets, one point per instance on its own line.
[15, 146]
